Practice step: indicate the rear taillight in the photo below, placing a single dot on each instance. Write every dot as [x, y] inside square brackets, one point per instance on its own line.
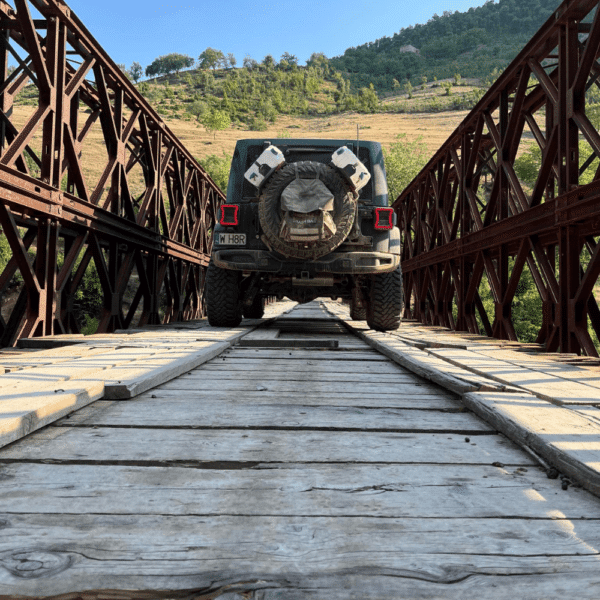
[229, 215]
[384, 218]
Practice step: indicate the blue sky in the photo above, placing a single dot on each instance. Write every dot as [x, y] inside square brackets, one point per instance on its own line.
[141, 30]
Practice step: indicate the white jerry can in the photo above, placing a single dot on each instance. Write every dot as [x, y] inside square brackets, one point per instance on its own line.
[264, 166]
[350, 166]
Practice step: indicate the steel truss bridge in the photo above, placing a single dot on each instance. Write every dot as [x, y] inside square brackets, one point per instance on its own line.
[456, 230]
[145, 223]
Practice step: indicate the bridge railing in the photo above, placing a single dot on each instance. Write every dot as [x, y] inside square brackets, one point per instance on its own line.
[468, 215]
[90, 176]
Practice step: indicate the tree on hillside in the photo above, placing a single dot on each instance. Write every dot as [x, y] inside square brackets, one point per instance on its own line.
[136, 71]
[218, 168]
[403, 161]
[124, 70]
[215, 120]
[211, 59]
[319, 61]
[268, 62]
[231, 59]
[164, 65]
[290, 59]
[198, 108]
[367, 99]
[153, 69]
[249, 62]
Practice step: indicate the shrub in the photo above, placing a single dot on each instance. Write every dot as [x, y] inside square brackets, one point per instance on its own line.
[218, 168]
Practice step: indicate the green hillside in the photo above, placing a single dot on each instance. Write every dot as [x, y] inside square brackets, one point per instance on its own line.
[474, 44]
[254, 96]
[424, 66]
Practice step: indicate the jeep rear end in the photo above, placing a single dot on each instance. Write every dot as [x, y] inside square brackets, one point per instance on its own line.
[306, 219]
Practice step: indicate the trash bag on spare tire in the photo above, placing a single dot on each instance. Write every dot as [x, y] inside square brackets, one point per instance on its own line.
[306, 210]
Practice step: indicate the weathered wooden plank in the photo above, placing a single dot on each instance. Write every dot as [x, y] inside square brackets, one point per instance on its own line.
[194, 381]
[155, 412]
[221, 369]
[542, 384]
[20, 414]
[45, 343]
[166, 507]
[298, 315]
[345, 339]
[292, 489]
[48, 375]
[48, 554]
[589, 412]
[427, 336]
[564, 438]
[417, 337]
[182, 332]
[155, 445]
[316, 354]
[579, 373]
[131, 380]
[13, 361]
[450, 376]
[422, 401]
[315, 364]
[207, 334]
[263, 334]
[288, 342]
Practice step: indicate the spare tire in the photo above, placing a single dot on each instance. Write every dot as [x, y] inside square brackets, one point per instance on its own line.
[341, 217]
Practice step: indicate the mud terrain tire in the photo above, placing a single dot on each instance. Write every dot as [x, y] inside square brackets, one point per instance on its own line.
[270, 217]
[386, 301]
[223, 304]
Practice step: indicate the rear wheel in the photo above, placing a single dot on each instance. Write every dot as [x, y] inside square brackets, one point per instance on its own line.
[256, 310]
[223, 297]
[386, 301]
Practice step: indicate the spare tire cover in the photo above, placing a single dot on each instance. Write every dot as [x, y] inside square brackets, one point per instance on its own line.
[335, 220]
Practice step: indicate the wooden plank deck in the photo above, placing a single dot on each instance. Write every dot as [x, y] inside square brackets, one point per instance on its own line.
[73, 371]
[537, 400]
[289, 473]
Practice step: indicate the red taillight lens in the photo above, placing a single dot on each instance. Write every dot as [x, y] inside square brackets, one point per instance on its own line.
[384, 218]
[229, 214]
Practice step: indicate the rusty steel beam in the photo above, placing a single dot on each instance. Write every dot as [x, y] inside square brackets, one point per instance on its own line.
[142, 215]
[468, 221]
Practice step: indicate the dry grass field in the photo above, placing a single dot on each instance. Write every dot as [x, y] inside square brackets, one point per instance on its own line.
[434, 128]
[384, 128]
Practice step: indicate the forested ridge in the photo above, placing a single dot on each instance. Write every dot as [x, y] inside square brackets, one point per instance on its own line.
[473, 43]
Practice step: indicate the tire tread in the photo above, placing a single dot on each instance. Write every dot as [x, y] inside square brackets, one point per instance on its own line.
[386, 301]
[222, 297]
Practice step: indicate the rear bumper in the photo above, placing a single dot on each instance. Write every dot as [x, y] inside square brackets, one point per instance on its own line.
[354, 263]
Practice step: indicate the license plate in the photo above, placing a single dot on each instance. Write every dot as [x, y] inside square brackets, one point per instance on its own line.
[232, 239]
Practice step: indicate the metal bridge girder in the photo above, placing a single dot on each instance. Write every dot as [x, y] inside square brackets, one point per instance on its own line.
[468, 216]
[144, 222]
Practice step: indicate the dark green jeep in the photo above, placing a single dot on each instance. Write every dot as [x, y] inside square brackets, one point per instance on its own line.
[304, 219]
